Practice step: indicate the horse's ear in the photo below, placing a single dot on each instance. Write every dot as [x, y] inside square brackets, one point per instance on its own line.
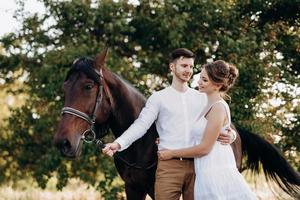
[101, 58]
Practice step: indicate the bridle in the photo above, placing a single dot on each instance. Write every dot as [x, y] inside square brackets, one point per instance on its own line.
[89, 135]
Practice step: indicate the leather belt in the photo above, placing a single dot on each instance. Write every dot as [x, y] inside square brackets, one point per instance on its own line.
[180, 158]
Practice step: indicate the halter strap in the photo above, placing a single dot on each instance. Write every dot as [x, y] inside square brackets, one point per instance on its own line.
[77, 113]
[88, 135]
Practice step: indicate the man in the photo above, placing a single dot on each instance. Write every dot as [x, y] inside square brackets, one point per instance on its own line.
[175, 110]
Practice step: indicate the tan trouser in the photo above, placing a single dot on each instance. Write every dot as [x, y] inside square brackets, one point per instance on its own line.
[173, 178]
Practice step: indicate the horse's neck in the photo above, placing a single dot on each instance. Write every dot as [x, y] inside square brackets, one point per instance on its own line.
[128, 103]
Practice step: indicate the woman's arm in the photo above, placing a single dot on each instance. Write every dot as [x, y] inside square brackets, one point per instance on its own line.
[215, 121]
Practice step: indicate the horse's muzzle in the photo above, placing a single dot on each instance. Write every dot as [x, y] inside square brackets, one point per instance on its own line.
[67, 150]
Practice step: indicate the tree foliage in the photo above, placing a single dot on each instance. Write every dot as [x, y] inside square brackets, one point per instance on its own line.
[260, 37]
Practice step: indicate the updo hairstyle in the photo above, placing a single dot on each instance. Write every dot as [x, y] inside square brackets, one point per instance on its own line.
[222, 73]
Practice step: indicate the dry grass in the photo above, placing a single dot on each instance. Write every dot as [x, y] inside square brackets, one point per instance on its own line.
[76, 190]
[264, 190]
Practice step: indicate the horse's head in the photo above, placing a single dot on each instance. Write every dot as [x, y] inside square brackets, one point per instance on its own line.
[86, 101]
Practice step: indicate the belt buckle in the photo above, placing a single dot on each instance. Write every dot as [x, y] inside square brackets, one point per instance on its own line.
[180, 158]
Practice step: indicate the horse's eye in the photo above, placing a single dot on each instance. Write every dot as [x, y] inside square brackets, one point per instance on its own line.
[88, 87]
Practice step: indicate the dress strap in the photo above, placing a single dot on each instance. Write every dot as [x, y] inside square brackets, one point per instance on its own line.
[204, 112]
[226, 109]
[210, 107]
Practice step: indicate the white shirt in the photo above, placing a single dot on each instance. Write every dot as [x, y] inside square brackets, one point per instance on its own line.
[174, 114]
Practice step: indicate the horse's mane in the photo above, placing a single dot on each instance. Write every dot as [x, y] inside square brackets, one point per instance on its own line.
[86, 64]
[133, 89]
[133, 96]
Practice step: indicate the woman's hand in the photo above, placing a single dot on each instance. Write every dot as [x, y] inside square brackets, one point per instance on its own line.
[165, 154]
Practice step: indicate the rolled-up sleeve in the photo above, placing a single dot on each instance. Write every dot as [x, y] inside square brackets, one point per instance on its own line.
[140, 126]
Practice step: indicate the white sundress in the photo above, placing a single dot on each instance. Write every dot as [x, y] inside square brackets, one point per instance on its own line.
[217, 177]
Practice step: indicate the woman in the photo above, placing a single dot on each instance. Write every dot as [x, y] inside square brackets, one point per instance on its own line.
[216, 174]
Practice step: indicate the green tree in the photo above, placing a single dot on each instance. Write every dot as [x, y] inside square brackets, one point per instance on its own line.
[263, 45]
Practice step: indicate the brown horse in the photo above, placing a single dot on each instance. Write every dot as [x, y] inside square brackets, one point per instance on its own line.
[97, 99]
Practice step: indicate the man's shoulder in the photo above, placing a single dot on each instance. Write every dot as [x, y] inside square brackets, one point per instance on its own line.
[161, 92]
[197, 93]
[193, 90]
[159, 95]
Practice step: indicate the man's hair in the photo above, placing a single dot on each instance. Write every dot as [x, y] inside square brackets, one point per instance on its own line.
[181, 52]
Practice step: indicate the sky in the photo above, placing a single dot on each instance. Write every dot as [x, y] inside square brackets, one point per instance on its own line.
[9, 24]
[7, 10]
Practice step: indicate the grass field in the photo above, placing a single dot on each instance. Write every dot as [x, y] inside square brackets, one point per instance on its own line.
[76, 190]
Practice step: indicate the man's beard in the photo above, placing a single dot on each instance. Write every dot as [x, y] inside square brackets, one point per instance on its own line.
[182, 77]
